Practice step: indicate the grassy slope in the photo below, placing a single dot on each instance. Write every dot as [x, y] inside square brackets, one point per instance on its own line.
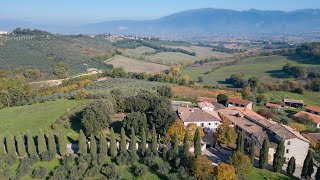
[309, 97]
[267, 68]
[33, 117]
[265, 174]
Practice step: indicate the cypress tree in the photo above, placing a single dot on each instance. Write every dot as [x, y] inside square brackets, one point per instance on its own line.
[291, 166]
[2, 148]
[82, 143]
[263, 159]
[31, 146]
[123, 142]
[133, 145]
[20, 145]
[113, 144]
[11, 148]
[62, 142]
[307, 169]
[93, 146]
[42, 146]
[252, 150]
[176, 144]
[52, 144]
[318, 173]
[197, 143]
[103, 146]
[186, 143]
[278, 158]
[240, 142]
[143, 142]
[154, 142]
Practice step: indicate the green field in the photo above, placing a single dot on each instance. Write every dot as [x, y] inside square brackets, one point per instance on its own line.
[309, 98]
[33, 117]
[267, 68]
[265, 174]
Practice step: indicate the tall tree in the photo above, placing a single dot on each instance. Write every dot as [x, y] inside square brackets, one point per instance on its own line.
[133, 145]
[225, 171]
[278, 158]
[197, 144]
[264, 151]
[62, 142]
[291, 166]
[82, 143]
[186, 143]
[113, 144]
[103, 146]
[176, 144]
[240, 142]
[307, 169]
[123, 142]
[42, 146]
[31, 146]
[93, 146]
[20, 145]
[52, 144]
[241, 163]
[143, 142]
[252, 150]
[154, 143]
[11, 148]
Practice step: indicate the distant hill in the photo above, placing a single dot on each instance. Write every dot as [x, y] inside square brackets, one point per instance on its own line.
[217, 21]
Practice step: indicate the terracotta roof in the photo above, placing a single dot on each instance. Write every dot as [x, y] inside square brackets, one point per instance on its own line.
[286, 132]
[271, 105]
[239, 101]
[187, 114]
[302, 115]
[313, 108]
[205, 104]
[315, 137]
[207, 99]
[293, 101]
[257, 118]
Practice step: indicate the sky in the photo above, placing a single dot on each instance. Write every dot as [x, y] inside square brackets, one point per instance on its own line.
[72, 12]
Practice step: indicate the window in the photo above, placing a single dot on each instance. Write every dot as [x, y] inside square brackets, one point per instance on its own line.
[287, 151]
[202, 124]
[288, 143]
[216, 123]
[209, 124]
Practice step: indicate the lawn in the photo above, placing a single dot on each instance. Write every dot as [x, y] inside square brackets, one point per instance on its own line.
[310, 98]
[34, 117]
[265, 174]
[48, 165]
[267, 68]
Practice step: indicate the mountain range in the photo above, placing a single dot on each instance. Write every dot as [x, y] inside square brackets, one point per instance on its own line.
[201, 21]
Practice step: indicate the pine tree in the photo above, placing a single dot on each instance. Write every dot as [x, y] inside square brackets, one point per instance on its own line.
[103, 146]
[62, 142]
[186, 143]
[278, 158]
[307, 169]
[31, 146]
[113, 144]
[82, 143]
[318, 173]
[252, 150]
[133, 145]
[21, 146]
[240, 142]
[52, 144]
[154, 143]
[176, 144]
[2, 148]
[263, 160]
[291, 166]
[197, 144]
[93, 146]
[42, 146]
[143, 142]
[123, 142]
[11, 148]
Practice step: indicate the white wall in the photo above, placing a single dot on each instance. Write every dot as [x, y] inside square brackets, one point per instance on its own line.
[298, 149]
[207, 126]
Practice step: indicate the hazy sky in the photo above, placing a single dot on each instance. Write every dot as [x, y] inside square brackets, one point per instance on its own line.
[84, 11]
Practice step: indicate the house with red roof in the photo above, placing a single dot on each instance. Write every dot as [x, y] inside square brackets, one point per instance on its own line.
[304, 116]
[313, 109]
[275, 106]
[239, 103]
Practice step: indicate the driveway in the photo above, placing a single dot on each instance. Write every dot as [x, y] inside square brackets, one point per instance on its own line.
[215, 156]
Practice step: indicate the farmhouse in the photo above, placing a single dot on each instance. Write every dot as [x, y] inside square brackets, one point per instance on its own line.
[306, 116]
[94, 71]
[313, 110]
[314, 138]
[294, 103]
[259, 128]
[275, 106]
[239, 103]
[210, 121]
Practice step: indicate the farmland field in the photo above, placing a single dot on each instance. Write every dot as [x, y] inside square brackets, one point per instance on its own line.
[310, 98]
[132, 65]
[138, 51]
[268, 68]
[33, 117]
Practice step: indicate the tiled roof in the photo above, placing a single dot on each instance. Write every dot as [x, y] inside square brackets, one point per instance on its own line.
[205, 104]
[239, 101]
[273, 105]
[286, 132]
[187, 114]
[302, 115]
[207, 99]
[313, 108]
[253, 116]
[293, 101]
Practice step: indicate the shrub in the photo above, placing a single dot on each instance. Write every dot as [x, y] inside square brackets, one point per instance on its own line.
[39, 173]
[109, 171]
[163, 168]
[139, 170]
